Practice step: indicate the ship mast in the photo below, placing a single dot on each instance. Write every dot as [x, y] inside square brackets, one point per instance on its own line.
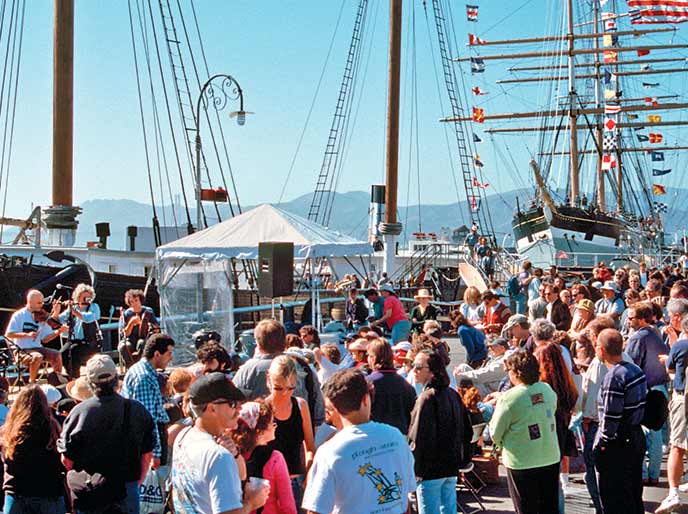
[391, 228]
[575, 179]
[60, 217]
[601, 200]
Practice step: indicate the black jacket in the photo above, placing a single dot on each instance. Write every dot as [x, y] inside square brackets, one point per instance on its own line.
[560, 314]
[393, 401]
[440, 434]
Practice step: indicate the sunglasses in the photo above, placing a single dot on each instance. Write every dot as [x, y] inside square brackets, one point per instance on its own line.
[232, 403]
[280, 388]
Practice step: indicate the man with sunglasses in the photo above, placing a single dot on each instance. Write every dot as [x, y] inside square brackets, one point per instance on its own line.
[205, 476]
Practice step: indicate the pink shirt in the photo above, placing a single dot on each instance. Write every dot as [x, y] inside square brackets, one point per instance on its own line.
[398, 312]
[281, 498]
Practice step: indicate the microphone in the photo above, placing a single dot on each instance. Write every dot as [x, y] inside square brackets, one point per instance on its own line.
[63, 287]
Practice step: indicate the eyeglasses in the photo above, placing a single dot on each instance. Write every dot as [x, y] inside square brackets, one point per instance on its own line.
[232, 403]
[280, 388]
[419, 366]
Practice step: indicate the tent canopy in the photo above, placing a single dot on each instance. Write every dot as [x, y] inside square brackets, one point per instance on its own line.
[239, 237]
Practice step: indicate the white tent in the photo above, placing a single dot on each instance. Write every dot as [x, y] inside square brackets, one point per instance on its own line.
[239, 237]
[195, 273]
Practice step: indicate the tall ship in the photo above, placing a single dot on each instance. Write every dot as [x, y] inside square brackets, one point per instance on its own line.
[601, 162]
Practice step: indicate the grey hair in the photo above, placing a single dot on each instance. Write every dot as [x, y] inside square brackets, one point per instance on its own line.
[684, 324]
[542, 329]
[677, 306]
[83, 288]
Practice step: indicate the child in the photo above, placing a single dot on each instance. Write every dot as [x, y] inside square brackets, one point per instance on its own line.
[255, 430]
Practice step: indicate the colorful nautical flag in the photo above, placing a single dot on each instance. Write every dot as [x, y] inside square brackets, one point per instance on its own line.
[609, 124]
[609, 141]
[472, 12]
[648, 85]
[475, 203]
[654, 118]
[609, 25]
[658, 189]
[609, 56]
[643, 138]
[477, 91]
[645, 67]
[661, 207]
[651, 101]
[609, 40]
[643, 51]
[482, 185]
[609, 94]
[477, 65]
[658, 173]
[631, 116]
[477, 138]
[608, 162]
[609, 77]
[657, 156]
[655, 138]
[612, 109]
[658, 11]
[477, 162]
[475, 40]
[478, 115]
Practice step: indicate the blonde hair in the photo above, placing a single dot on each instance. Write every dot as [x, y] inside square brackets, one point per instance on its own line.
[471, 295]
[81, 289]
[282, 366]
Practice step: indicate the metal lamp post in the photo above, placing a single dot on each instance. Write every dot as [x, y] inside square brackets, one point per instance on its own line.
[226, 90]
[218, 91]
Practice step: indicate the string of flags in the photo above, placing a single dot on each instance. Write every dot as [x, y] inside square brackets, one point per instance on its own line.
[475, 40]
[657, 11]
[478, 115]
[471, 12]
[661, 207]
[658, 189]
[477, 91]
[477, 65]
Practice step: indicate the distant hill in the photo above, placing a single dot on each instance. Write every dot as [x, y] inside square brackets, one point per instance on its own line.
[349, 215]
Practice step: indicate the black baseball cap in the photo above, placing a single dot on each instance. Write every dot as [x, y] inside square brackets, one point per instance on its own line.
[213, 387]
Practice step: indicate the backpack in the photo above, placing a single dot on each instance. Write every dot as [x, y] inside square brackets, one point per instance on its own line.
[513, 286]
[656, 410]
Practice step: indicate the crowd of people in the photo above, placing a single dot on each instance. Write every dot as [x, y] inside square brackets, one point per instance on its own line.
[379, 420]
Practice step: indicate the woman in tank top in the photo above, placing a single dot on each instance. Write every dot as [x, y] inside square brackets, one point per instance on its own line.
[294, 433]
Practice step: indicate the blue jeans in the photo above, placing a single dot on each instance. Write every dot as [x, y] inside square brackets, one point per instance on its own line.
[437, 496]
[590, 476]
[132, 499]
[33, 505]
[653, 440]
[401, 331]
[517, 304]
[297, 490]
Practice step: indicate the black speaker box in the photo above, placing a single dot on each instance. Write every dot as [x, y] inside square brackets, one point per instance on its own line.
[275, 269]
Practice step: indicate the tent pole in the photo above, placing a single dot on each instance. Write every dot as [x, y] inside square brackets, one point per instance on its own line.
[232, 337]
[313, 300]
[199, 295]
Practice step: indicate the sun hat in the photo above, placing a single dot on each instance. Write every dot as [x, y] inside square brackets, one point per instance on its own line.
[79, 389]
[516, 319]
[212, 387]
[499, 341]
[360, 344]
[403, 346]
[423, 293]
[610, 285]
[249, 414]
[586, 305]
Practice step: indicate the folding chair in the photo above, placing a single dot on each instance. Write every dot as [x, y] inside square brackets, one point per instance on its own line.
[468, 473]
[17, 372]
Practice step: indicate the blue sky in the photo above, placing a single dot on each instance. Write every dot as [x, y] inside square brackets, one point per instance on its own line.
[277, 51]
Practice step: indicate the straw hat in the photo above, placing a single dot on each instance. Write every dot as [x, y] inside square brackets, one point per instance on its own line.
[79, 389]
[586, 305]
[423, 293]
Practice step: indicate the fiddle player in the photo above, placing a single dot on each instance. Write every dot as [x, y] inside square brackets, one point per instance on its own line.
[82, 314]
[136, 324]
[29, 330]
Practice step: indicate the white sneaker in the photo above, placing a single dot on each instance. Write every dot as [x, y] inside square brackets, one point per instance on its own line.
[668, 504]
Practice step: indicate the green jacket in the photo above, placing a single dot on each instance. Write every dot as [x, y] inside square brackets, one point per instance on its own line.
[523, 426]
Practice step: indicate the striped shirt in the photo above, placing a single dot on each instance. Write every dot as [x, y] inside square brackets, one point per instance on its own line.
[621, 401]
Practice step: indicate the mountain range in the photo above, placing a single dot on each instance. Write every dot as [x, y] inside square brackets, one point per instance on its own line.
[349, 215]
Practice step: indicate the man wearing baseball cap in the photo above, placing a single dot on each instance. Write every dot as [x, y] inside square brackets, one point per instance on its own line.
[109, 435]
[488, 376]
[205, 476]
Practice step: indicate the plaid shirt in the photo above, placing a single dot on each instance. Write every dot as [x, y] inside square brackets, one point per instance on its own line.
[141, 384]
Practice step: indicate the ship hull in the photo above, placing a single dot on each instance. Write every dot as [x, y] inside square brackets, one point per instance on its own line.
[570, 236]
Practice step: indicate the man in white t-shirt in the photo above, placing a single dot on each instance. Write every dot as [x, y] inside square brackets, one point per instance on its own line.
[205, 476]
[29, 335]
[367, 466]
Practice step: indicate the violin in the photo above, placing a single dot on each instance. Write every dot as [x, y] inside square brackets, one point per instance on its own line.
[43, 316]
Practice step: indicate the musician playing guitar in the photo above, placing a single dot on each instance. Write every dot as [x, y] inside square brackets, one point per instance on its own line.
[136, 324]
[29, 330]
[84, 338]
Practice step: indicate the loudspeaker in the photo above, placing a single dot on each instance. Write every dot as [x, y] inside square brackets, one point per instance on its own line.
[276, 269]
